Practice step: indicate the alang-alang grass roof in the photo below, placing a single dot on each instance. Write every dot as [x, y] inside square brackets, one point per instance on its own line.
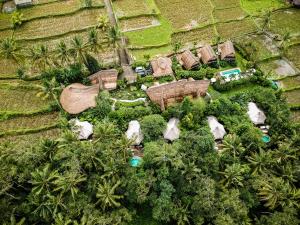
[188, 60]
[106, 78]
[207, 54]
[162, 66]
[226, 50]
[76, 98]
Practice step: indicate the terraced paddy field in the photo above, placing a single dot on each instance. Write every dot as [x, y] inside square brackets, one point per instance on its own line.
[296, 116]
[293, 97]
[132, 8]
[290, 82]
[293, 55]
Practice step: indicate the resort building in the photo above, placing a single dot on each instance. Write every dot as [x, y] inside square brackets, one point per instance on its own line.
[256, 115]
[106, 78]
[227, 51]
[76, 97]
[188, 60]
[216, 128]
[172, 131]
[207, 55]
[166, 94]
[162, 66]
[134, 132]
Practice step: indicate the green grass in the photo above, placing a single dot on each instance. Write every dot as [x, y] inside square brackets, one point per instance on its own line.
[153, 36]
[258, 6]
[182, 14]
[290, 82]
[20, 100]
[293, 97]
[139, 53]
[286, 21]
[236, 28]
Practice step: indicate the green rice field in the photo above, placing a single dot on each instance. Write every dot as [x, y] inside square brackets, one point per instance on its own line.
[293, 97]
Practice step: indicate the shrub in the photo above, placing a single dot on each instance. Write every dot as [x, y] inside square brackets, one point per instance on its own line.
[185, 74]
[223, 63]
[153, 127]
[92, 64]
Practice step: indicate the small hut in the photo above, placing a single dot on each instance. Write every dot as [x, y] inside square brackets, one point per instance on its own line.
[295, 2]
[227, 51]
[207, 54]
[166, 94]
[216, 128]
[83, 129]
[188, 60]
[23, 3]
[134, 132]
[162, 67]
[106, 78]
[172, 131]
[76, 97]
[256, 115]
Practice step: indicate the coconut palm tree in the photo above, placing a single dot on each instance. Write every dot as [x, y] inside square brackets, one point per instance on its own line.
[232, 145]
[9, 49]
[233, 175]
[260, 161]
[285, 40]
[78, 49]
[103, 22]
[114, 37]
[62, 53]
[106, 194]
[93, 41]
[13, 220]
[40, 56]
[266, 24]
[50, 89]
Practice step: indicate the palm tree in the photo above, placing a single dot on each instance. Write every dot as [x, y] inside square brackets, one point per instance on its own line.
[40, 56]
[9, 49]
[266, 25]
[284, 41]
[106, 193]
[78, 49]
[13, 220]
[93, 40]
[260, 161]
[233, 175]
[50, 89]
[232, 145]
[123, 145]
[49, 146]
[114, 37]
[42, 180]
[103, 22]
[62, 53]
[60, 220]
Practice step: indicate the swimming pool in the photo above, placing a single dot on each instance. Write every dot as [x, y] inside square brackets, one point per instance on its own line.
[230, 73]
[135, 161]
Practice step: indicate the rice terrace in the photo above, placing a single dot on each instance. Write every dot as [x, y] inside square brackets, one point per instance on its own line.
[149, 112]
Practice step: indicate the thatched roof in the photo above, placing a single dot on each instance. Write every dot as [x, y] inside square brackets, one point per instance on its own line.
[207, 54]
[162, 67]
[83, 129]
[172, 131]
[256, 115]
[216, 128]
[134, 132]
[106, 78]
[22, 2]
[227, 50]
[168, 93]
[76, 98]
[188, 60]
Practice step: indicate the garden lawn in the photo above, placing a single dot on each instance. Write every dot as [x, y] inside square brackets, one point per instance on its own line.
[19, 100]
[258, 6]
[186, 14]
[153, 36]
[29, 122]
[55, 26]
[284, 21]
[234, 29]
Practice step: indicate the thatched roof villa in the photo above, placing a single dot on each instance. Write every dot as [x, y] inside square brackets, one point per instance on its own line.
[227, 51]
[162, 66]
[106, 78]
[188, 60]
[166, 94]
[76, 97]
[207, 54]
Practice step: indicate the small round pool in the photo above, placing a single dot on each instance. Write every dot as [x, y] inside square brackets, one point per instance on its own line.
[266, 139]
[135, 161]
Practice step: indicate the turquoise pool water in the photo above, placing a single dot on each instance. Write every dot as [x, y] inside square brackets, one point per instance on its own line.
[230, 73]
[266, 139]
[135, 161]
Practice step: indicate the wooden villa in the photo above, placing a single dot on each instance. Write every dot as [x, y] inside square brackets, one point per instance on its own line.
[22, 3]
[166, 94]
[106, 78]
[162, 66]
[207, 55]
[226, 51]
[188, 60]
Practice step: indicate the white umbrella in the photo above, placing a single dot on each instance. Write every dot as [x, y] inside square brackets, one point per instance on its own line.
[82, 129]
[134, 132]
[172, 132]
[256, 115]
[216, 128]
